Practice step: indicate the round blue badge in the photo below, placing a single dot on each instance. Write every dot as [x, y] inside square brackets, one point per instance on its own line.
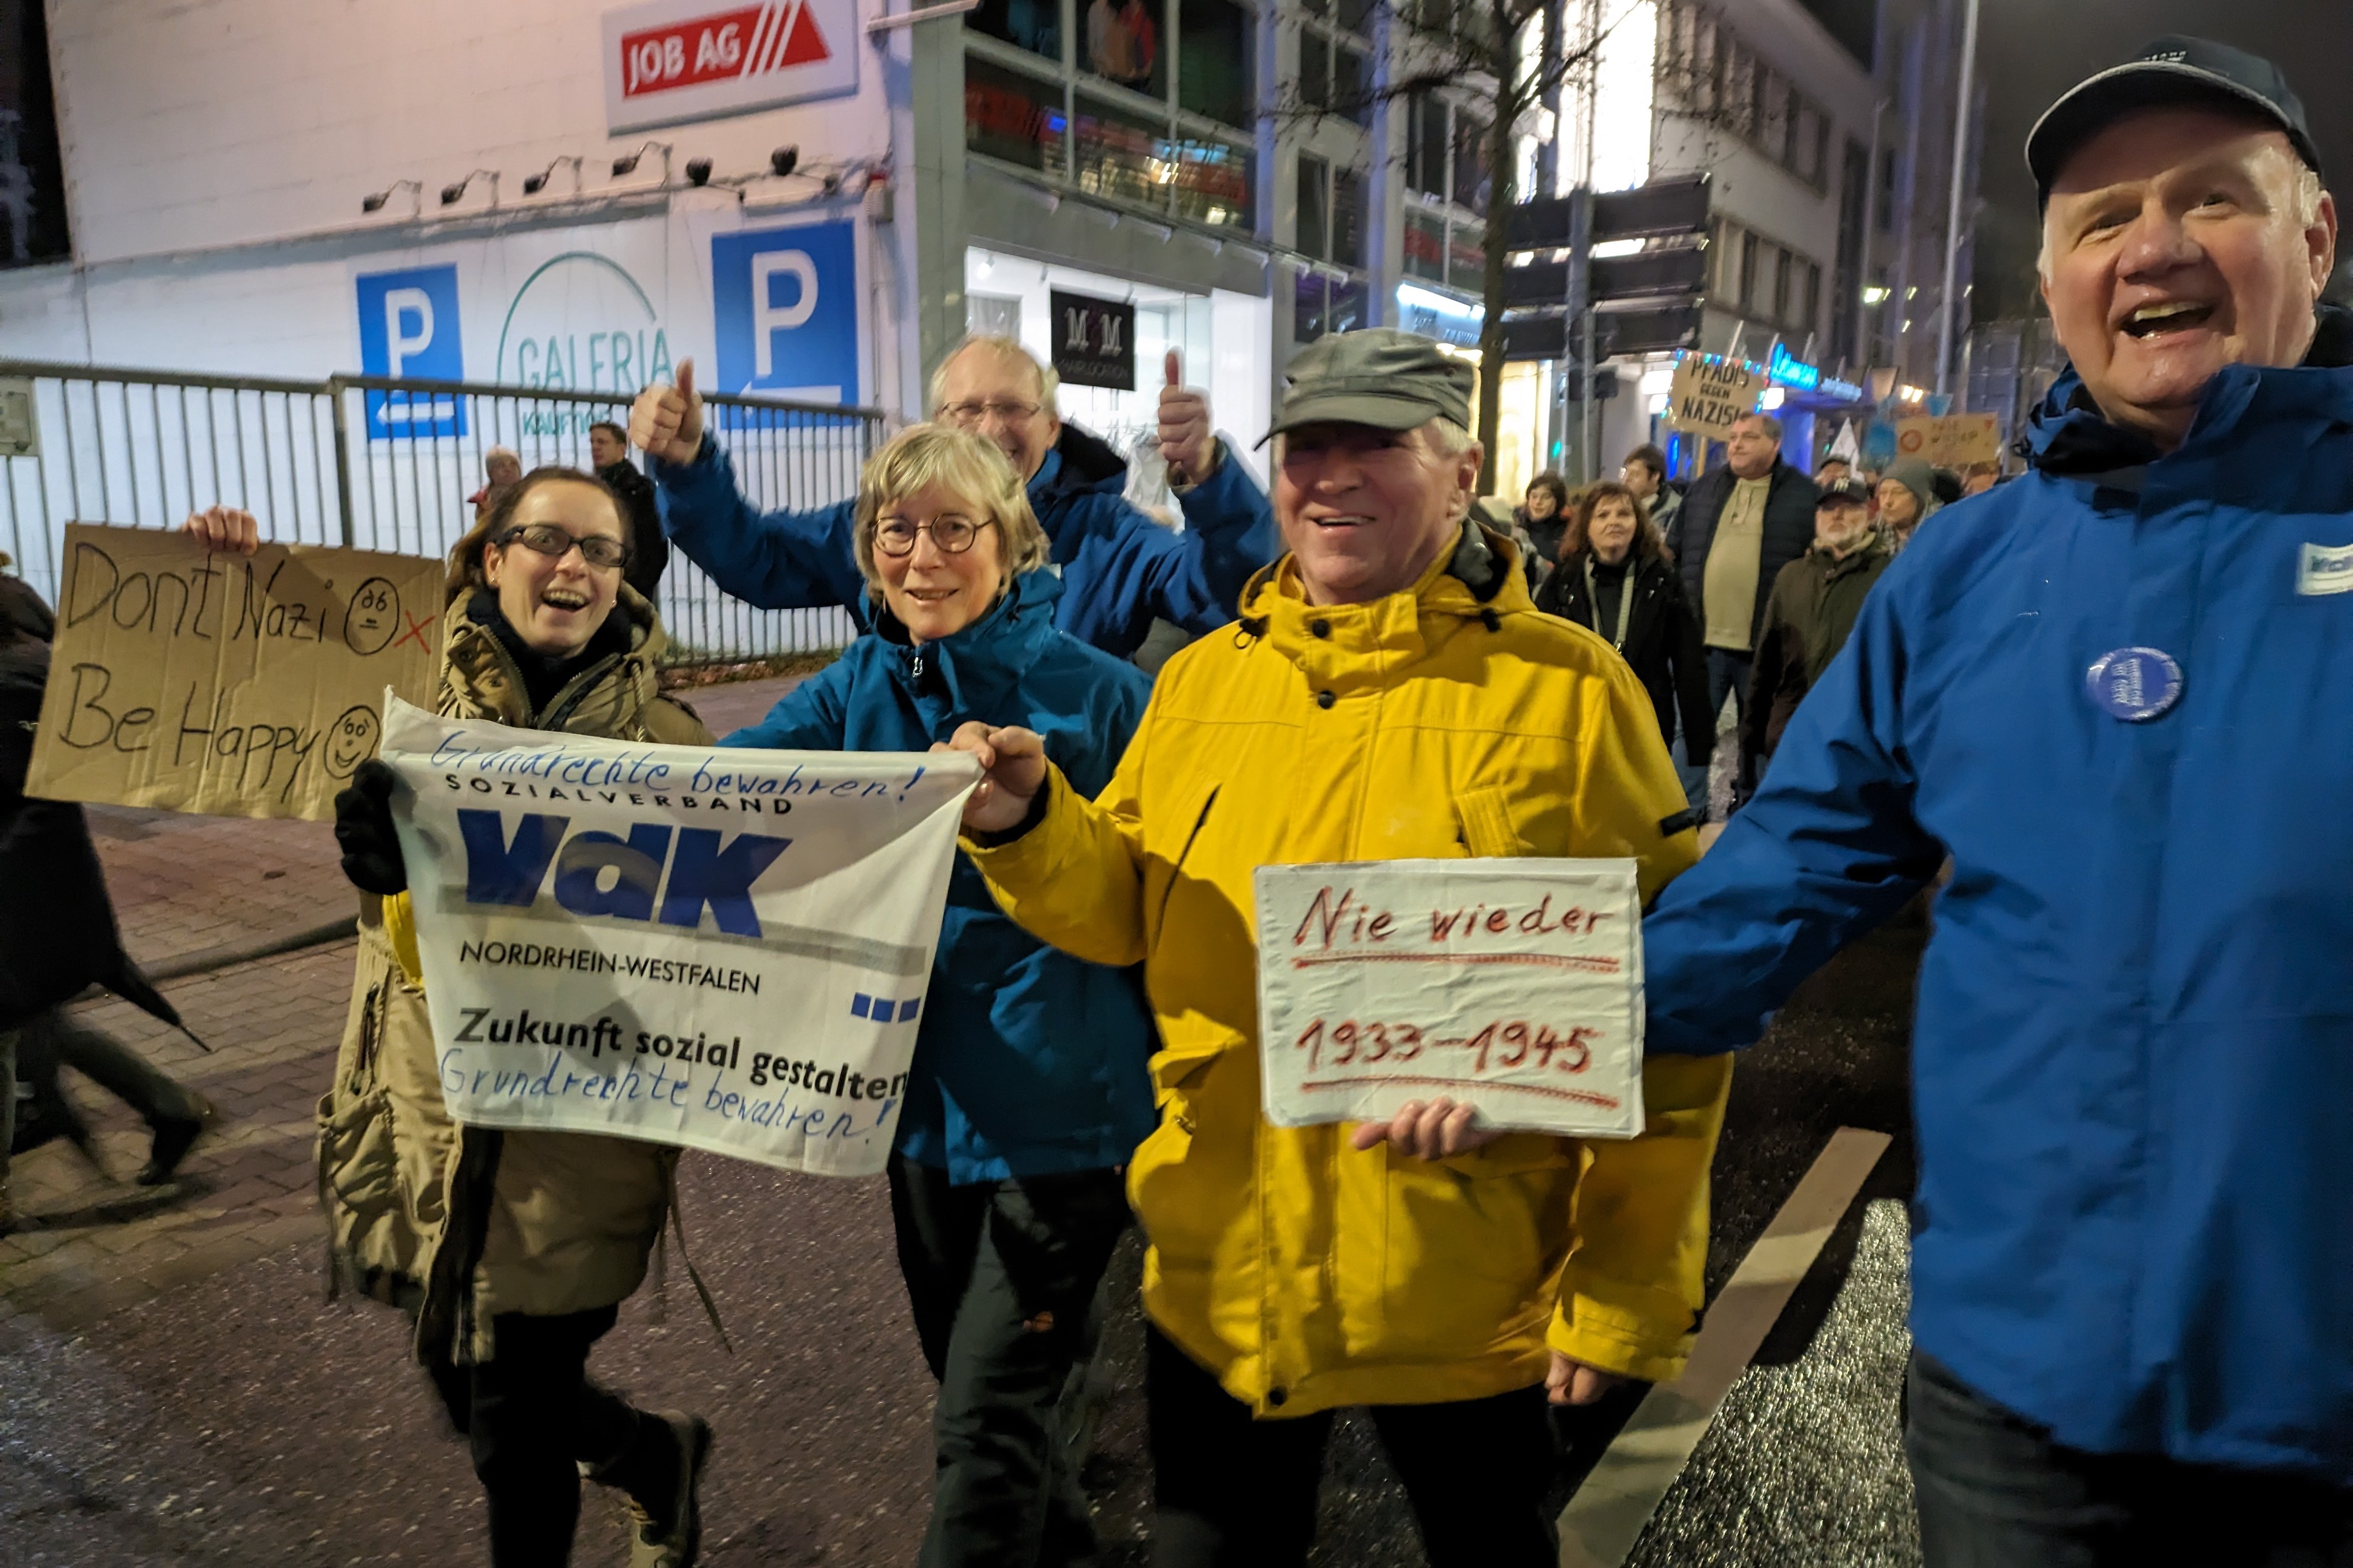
[2134, 684]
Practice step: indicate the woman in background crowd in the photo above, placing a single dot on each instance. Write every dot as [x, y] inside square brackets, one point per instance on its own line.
[1616, 577]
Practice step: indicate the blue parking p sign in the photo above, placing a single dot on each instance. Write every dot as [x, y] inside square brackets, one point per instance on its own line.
[786, 309]
[408, 327]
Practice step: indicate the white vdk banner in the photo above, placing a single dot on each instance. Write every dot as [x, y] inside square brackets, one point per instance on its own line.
[725, 949]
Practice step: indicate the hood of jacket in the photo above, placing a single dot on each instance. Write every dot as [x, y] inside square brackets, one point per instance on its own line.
[971, 670]
[1084, 464]
[2068, 436]
[618, 696]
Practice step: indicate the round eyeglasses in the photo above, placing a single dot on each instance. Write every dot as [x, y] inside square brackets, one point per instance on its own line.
[951, 536]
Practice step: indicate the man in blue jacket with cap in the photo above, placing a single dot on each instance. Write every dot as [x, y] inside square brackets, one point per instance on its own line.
[1119, 568]
[2115, 694]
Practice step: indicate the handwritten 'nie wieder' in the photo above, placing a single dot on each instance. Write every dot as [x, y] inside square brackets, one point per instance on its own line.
[233, 685]
[1513, 984]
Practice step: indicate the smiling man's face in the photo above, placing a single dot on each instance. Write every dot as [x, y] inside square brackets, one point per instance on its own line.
[2178, 241]
[1365, 511]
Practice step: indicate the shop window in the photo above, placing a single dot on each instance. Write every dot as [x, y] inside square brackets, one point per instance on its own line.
[1311, 312]
[1352, 84]
[1425, 151]
[1314, 200]
[1315, 69]
[1215, 182]
[1348, 217]
[1121, 41]
[1425, 246]
[1466, 258]
[1347, 304]
[1032, 24]
[993, 315]
[1013, 116]
[1213, 77]
[1120, 155]
[1471, 181]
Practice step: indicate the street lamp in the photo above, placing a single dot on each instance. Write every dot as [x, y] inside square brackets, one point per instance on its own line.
[375, 202]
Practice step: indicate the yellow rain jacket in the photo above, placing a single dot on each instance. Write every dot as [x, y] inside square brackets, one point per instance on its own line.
[1431, 723]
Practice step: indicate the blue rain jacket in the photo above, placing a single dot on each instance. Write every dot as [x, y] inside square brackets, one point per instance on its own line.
[2133, 1059]
[1027, 1061]
[1121, 568]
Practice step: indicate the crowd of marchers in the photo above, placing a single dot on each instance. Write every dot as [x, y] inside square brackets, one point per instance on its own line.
[2098, 699]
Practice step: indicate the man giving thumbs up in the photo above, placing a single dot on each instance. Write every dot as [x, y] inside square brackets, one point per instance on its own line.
[1120, 569]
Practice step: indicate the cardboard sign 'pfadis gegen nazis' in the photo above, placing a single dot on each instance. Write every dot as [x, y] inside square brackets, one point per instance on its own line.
[231, 685]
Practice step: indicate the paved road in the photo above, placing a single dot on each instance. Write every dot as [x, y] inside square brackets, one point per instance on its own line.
[179, 1391]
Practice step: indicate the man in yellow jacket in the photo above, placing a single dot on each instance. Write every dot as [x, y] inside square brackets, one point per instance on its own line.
[1390, 692]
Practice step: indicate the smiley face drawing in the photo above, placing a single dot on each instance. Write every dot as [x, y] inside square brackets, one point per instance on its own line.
[351, 740]
[374, 617]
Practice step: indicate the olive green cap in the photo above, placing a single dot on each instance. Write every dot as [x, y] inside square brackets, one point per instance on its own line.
[1382, 377]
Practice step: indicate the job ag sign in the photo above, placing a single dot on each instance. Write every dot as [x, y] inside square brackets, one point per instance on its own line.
[676, 60]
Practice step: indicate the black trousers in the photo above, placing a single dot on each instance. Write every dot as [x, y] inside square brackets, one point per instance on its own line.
[1993, 1490]
[1002, 1277]
[1232, 1492]
[534, 1420]
[55, 1039]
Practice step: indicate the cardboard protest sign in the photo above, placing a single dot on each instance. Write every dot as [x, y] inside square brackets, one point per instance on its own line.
[1514, 985]
[724, 950]
[231, 685]
[1708, 395]
[1949, 440]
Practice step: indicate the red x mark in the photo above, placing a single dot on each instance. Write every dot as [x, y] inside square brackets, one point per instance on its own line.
[416, 624]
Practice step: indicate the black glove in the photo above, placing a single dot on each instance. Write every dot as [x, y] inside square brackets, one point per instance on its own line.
[363, 830]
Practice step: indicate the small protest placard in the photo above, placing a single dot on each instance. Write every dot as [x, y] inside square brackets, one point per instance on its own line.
[724, 950]
[1707, 394]
[1514, 984]
[231, 685]
[1950, 440]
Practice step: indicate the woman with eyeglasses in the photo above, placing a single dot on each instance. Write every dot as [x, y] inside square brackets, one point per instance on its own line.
[1029, 1088]
[510, 1250]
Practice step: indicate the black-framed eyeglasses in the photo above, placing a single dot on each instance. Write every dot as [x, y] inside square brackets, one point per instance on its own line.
[1004, 412]
[951, 536]
[598, 549]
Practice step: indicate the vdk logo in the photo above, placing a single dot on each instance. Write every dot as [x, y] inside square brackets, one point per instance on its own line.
[408, 327]
[603, 874]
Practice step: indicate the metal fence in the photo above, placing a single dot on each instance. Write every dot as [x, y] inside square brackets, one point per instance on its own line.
[379, 464]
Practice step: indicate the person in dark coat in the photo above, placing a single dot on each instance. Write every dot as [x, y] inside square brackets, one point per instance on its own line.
[1543, 517]
[1815, 601]
[1741, 524]
[1615, 576]
[55, 945]
[609, 449]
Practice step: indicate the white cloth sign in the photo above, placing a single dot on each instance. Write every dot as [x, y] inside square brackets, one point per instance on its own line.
[1514, 984]
[725, 949]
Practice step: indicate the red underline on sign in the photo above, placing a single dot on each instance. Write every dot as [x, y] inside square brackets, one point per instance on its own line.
[1544, 960]
[1581, 1096]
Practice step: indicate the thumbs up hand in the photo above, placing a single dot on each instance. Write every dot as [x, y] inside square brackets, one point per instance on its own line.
[1187, 441]
[666, 422]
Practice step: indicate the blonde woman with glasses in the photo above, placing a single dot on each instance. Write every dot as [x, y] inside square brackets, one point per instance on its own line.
[1030, 1090]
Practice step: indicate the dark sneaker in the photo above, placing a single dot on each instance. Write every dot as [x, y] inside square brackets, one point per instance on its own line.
[674, 1543]
[175, 1136]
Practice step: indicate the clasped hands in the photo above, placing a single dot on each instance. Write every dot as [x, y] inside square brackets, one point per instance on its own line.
[1013, 770]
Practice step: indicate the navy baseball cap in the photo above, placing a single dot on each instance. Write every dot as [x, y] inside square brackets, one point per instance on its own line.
[1849, 490]
[2171, 69]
